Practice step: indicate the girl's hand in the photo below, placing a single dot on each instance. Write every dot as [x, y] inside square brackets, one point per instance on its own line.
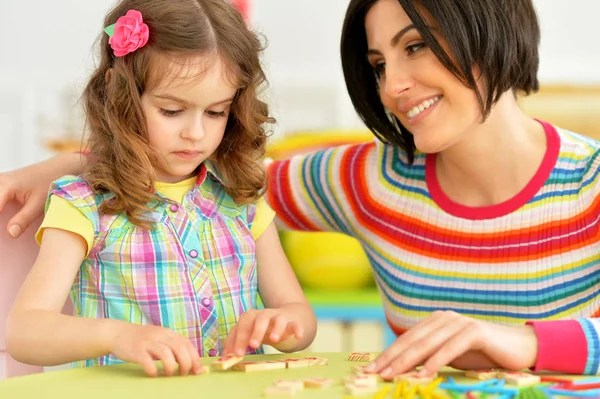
[143, 344]
[257, 327]
[448, 338]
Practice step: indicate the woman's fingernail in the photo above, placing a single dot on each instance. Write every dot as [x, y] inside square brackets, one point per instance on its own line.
[274, 337]
[387, 372]
[14, 230]
[370, 368]
[254, 343]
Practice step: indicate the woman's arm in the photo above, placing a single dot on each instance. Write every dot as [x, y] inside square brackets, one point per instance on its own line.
[320, 191]
[29, 187]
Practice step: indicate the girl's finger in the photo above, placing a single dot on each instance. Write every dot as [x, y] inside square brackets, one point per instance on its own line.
[261, 324]
[165, 355]
[244, 328]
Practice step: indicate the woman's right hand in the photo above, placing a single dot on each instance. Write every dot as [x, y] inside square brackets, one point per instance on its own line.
[29, 187]
[143, 344]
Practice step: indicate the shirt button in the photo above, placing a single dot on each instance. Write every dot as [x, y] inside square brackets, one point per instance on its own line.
[212, 353]
[206, 302]
[174, 208]
[194, 253]
[189, 208]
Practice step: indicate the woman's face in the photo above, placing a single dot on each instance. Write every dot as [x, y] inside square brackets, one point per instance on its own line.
[428, 99]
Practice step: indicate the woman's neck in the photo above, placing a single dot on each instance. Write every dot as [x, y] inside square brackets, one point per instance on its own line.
[495, 160]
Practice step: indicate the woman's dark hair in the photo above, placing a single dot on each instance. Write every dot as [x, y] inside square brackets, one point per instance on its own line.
[500, 37]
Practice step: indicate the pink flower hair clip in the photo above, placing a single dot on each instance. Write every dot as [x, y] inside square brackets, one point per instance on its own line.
[128, 34]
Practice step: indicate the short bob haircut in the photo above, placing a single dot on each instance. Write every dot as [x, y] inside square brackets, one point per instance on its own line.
[500, 37]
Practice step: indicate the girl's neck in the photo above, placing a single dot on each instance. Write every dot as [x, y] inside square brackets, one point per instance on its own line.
[495, 160]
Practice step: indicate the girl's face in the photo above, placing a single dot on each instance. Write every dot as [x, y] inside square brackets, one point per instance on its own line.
[428, 99]
[187, 114]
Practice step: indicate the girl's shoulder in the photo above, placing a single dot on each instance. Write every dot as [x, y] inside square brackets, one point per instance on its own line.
[77, 191]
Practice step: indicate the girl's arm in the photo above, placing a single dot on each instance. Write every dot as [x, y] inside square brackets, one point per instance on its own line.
[37, 332]
[288, 323]
[279, 289]
[29, 186]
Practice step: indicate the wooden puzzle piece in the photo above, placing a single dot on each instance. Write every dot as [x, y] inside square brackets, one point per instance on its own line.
[318, 383]
[317, 361]
[276, 391]
[359, 370]
[412, 378]
[482, 375]
[258, 366]
[364, 379]
[361, 356]
[296, 363]
[226, 362]
[296, 384]
[519, 378]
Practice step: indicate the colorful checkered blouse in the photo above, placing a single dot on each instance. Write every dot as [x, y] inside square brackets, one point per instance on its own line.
[194, 273]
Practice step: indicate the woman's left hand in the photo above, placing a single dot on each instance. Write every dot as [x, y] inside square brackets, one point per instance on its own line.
[448, 338]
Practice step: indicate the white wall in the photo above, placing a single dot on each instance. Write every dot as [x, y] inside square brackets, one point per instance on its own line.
[46, 51]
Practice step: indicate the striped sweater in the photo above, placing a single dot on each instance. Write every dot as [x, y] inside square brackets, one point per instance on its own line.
[534, 258]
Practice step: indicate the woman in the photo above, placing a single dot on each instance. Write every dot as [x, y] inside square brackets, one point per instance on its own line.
[479, 221]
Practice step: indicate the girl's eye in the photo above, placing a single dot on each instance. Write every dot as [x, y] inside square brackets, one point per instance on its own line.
[413, 48]
[379, 68]
[169, 112]
[215, 114]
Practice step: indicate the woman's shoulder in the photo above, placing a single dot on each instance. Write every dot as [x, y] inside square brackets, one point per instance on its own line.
[577, 151]
[577, 168]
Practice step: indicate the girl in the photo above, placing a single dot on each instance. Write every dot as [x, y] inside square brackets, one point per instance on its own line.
[156, 241]
[480, 222]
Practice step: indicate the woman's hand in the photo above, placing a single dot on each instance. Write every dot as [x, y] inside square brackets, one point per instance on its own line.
[29, 187]
[448, 338]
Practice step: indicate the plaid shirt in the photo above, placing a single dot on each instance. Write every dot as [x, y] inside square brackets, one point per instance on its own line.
[194, 273]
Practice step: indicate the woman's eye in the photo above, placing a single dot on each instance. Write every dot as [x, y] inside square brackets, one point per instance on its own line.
[379, 68]
[414, 47]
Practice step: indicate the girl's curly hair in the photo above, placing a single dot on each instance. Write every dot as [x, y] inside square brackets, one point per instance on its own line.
[118, 138]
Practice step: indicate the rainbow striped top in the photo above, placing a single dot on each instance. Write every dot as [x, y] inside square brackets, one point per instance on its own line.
[534, 258]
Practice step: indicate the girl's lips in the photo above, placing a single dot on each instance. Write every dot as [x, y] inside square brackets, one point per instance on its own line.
[187, 155]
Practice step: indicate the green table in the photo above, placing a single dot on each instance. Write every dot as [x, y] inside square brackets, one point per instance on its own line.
[129, 381]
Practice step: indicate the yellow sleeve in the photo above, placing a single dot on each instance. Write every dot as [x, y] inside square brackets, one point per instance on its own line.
[262, 218]
[61, 214]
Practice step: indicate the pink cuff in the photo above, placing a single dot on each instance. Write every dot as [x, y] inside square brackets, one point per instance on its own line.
[562, 346]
